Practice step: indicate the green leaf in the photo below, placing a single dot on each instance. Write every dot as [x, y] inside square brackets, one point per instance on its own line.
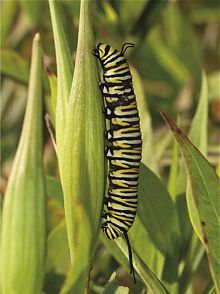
[14, 65]
[53, 283]
[168, 59]
[114, 289]
[138, 236]
[173, 174]
[192, 261]
[78, 275]
[80, 145]
[213, 85]
[177, 32]
[158, 214]
[34, 9]
[184, 221]
[58, 258]
[147, 276]
[205, 190]
[8, 11]
[148, 16]
[218, 170]
[12, 115]
[115, 251]
[161, 141]
[110, 14]
[24, 219]
[198, 135]
[119, 249]
[83, 174]
[151, 256]
[157, 211]
[148, 155]
[51, 100]
[212, 290]
[130, 12]
[54, 189]
[205, 13]
[64, 72]
[198, 130]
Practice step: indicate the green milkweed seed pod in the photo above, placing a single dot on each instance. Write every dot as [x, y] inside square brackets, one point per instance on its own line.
[23, 221]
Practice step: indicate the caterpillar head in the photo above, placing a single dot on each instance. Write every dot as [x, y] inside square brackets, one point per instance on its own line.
[102, 51]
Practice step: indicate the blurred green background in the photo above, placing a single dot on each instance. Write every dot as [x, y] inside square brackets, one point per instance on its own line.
[175, 41]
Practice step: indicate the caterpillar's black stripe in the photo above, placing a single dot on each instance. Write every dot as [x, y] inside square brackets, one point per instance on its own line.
[124, 143]
[117, 64]
[110, 60]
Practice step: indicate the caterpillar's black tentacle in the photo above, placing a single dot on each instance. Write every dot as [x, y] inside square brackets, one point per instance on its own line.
[126, 46]
[132, 271]
[123, 142]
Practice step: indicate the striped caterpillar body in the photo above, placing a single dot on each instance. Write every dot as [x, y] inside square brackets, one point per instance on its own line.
[124, 143]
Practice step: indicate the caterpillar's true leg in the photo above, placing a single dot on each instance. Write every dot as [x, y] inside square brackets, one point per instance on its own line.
[104, 215]
[102, 87]
[108, 152]
[109, 134]
[106, 200]
[107, 112]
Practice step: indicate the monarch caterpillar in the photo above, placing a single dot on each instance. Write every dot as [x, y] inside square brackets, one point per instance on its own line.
[124, 140]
